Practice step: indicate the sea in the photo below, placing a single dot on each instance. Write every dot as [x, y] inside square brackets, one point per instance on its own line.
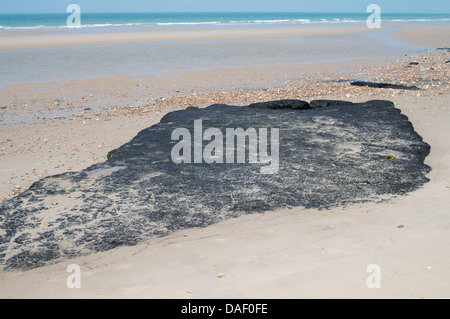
[164, 19]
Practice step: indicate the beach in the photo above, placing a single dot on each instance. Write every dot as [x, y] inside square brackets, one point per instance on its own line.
[69, 123]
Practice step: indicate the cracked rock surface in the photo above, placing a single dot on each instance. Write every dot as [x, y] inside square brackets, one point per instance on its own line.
[331, 153]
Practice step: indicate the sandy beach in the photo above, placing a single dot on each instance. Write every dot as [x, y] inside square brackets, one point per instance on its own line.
[295, 253]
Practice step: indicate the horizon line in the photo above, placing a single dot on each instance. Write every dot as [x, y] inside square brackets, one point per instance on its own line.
[295, 12]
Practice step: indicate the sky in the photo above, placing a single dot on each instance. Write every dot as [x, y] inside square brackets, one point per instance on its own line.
[59, 6]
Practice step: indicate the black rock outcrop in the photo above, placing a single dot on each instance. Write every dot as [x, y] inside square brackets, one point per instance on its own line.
[385, 85]
[330, 153]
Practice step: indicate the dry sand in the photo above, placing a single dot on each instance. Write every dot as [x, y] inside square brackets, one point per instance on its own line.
[280, 254]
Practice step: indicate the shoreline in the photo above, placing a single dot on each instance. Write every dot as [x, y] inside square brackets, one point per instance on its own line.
[76, 58]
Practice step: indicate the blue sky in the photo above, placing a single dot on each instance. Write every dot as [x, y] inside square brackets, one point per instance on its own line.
[396, 6]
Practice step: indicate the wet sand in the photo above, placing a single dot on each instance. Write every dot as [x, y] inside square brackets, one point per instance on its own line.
[20, 40]
[424, 35]
[39, 39]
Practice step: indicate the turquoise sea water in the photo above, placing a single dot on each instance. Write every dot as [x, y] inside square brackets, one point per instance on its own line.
[99, 20]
